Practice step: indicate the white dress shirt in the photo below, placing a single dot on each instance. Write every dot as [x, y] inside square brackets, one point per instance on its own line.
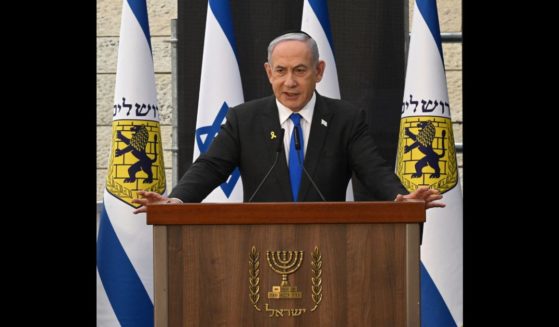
[287, 124]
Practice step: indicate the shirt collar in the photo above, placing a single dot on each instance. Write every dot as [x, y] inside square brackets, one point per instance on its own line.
[306, 112]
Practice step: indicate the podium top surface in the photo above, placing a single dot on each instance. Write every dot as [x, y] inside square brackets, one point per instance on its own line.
[286, 213]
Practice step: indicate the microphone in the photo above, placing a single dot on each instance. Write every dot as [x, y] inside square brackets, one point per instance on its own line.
[278, 151]
[298, 148]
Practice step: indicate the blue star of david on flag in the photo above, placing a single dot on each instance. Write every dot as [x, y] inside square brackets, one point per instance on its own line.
[203, 145]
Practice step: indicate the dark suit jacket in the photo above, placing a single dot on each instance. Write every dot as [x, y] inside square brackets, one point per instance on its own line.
[333, 152]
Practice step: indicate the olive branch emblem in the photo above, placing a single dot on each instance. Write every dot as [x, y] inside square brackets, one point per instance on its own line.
[253, 279]
[316, 267]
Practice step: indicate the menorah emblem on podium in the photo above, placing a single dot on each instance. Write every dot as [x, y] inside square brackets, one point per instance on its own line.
[284, 263]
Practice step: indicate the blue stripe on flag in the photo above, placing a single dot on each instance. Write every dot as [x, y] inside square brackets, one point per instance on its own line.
[222, 13]
[320, 8]
[128, 297]
[434, 312]
[428, 9]
[139, 9]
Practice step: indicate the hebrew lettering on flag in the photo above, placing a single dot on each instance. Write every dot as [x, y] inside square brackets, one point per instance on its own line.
[124, 241]
[316, 23]
[220, 89]
[426, 157]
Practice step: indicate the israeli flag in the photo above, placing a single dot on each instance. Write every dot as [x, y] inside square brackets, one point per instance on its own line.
[124, 241]
[220, 89]
[427, 157]
[316, 23]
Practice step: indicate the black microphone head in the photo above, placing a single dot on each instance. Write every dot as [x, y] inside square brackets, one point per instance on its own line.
[297, 139]
[280, 140]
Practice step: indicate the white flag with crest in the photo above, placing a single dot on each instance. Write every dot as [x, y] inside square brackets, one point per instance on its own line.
[426, 157]
[124, 242]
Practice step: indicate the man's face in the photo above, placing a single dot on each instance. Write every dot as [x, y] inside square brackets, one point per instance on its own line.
[292, 75]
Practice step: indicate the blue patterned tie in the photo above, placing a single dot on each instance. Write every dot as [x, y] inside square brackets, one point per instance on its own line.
[295, 168]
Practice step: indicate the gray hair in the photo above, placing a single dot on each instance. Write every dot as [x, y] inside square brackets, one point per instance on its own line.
[295, 37]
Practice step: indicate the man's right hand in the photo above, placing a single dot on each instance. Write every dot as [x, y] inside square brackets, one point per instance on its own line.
[148, 198]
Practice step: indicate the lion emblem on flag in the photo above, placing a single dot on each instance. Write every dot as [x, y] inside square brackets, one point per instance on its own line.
[424, 142]
[426, 154]
[137, 160]
[137, 146]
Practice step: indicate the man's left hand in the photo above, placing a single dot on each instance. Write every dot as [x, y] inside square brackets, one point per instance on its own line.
[430, 196]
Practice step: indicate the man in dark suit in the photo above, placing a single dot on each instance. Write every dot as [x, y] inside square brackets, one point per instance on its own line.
[334, 140]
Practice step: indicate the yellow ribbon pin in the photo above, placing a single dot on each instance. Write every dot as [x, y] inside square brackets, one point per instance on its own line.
[272, 135]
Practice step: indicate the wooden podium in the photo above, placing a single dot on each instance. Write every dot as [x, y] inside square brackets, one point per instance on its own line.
[339, 264]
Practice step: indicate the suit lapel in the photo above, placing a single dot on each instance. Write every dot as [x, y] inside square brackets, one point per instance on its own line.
[270, 122]
[317, 137]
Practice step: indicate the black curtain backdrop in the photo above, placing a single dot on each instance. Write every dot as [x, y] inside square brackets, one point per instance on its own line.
[369, 48]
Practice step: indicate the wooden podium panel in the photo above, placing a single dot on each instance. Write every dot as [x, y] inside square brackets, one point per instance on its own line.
[366, 270]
